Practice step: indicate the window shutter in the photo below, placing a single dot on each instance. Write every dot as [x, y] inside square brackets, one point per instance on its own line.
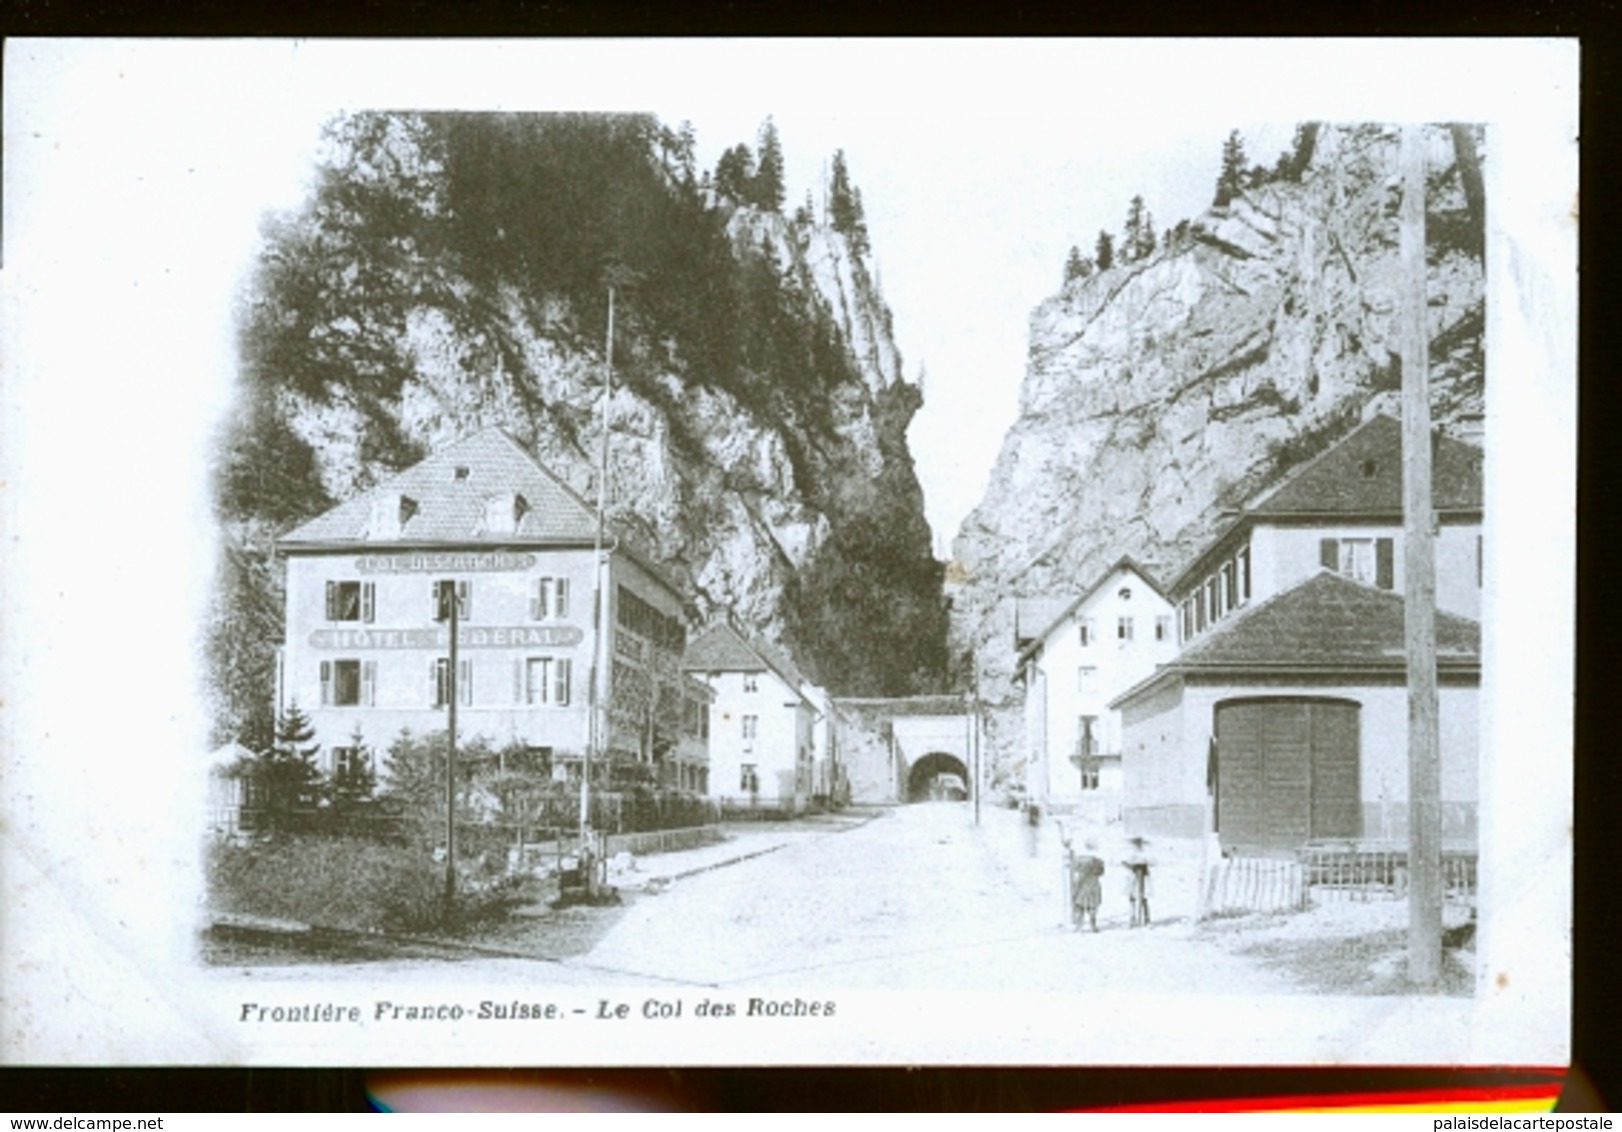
[464, 681]
[537, 604]
[518, 681]
[435, 613]
[368, 601]
[1384, 564]
[368, 683]
[332, 601]
[433, 681]
[1329, 553]
[560, 604]
[563, 667]
[326, 678]
[464, 600]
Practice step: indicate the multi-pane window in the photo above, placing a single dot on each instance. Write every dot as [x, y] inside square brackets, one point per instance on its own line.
[751, 682]
[1087, 751]
[1371, 561]
[351, 601]
[348, 683]
[1241, 563]
[545, 680]
[550, 601]
[642, 618]
[1086, 678]
[440, 600]
[1088, 631]
[1163, 627]
[349, 763]
[749, 778]
[1123, 628]
[439, 678]
[751, 729]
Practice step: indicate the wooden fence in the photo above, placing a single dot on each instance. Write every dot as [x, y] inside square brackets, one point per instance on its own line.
[1253, 884]
[1322, 874]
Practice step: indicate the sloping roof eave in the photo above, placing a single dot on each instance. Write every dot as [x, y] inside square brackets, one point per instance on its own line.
[1213, 672]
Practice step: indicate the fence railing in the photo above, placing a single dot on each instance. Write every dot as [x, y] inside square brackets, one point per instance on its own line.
[1253, 884]
[1322, 874]
[546, 818]
[1376, 872]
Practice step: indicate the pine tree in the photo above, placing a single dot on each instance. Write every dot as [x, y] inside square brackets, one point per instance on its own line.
[1105, 251]
[1230, 181]
[768, 179]
[1077, 266]
[356, 783]
[1132, 231]
[735, 173]
[288, 769]
[845, 206]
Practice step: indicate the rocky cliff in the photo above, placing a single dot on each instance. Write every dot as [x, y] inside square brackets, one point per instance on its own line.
[451, 272]
[1163, 390]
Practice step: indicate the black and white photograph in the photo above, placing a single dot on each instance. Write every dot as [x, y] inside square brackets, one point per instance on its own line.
[788, 552]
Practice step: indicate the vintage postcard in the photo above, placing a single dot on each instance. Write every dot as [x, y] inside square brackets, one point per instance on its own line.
[813, 552]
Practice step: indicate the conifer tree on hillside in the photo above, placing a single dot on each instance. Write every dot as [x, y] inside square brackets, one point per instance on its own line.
[1231, 178]
[845, 206]
[768, 179]
[1138, 238]
[735, 174]
[1132, 231]
[1077, 266]
[1104, 253]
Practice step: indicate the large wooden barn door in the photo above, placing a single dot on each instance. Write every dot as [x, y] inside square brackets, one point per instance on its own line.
[1287, 772]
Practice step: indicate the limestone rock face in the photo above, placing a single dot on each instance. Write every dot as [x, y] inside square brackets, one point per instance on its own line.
[706, 483]
[451, 273]
[1164, 390]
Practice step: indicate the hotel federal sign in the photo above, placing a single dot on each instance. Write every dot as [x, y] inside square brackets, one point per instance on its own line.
[468, 637]
[456, 562]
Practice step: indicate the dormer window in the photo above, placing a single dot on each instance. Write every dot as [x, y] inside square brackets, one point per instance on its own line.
[391, 511]
[503, 513]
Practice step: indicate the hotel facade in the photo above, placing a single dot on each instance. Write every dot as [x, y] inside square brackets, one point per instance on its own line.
[367, 647]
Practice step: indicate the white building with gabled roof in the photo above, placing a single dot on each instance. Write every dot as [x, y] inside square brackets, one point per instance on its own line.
[1094, 648]
[1282, 721]
[366, 657]
[762, 720]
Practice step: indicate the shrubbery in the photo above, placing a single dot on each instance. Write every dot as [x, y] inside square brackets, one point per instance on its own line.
[345, 882]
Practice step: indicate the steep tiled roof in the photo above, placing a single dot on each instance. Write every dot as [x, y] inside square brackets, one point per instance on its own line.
[1327, 619]
[1326, 624]
[1360, 478]
[1057, 617]
[721, 648]
[1363, 475]
[448, 493]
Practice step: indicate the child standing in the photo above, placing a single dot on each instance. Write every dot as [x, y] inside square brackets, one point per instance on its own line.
[1137, 882]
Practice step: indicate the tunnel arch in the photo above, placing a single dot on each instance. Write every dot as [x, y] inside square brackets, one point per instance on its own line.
[923, 772]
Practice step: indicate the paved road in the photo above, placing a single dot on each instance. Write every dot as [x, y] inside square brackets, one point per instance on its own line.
[915, 899]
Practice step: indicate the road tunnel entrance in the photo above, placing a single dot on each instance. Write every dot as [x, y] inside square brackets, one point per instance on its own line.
[938, 777]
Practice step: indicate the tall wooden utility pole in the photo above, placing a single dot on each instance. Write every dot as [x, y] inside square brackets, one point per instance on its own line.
[597, 726]
[1419, 586]
[450, 608]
